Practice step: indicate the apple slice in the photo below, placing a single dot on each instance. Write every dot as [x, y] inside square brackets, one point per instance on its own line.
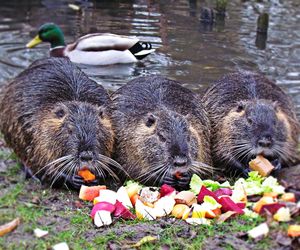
[107, 196]
[87, 193]
[241, 205]
[123, 212]
[289, 197]
[166, 190]
[283, 214]
[294, 230]
[179, 210]
[229, 205]
[262, 201]
[123, 197]
[103, 205]
[260, 230]
[185, 197]
[102, 218]
[133, 188]
[262, 165]
[144, 212]
[164, 206]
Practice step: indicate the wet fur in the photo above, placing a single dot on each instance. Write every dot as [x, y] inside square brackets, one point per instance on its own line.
[29, 121]
[176, 110]
[228, 125]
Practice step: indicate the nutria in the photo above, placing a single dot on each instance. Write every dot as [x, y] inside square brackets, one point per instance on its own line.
[162, 132]
[250, 115]
[54, 118]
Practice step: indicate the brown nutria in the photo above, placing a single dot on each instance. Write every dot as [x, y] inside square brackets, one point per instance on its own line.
[162, 132]
[55, 119]
[250, 115]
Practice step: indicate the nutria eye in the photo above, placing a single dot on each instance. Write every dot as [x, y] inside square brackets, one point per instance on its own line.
[250, 121]
[161, 137]
[240, 108]
[100, 113]
[150, 121]
[60, 113]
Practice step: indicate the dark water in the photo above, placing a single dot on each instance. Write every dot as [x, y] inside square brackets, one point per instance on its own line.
[187, 50]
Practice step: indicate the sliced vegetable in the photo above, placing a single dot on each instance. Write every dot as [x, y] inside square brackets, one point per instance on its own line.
[229, 205]
[271, 208]
[61, 246]
[223, 191]
[262, 201]
[166, 190]
[203, 192]
[87, 175]
[123, 212]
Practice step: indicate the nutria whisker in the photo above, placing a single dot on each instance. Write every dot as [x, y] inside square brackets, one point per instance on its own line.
[59, 160]
[155, 171]
[60, 171]
[108, 170]
[54, 168]
[110, 161]
[201, 167]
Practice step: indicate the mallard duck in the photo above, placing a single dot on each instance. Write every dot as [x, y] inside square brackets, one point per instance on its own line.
[92, 49]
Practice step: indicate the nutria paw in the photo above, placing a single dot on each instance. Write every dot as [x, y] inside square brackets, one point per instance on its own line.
[180, 183]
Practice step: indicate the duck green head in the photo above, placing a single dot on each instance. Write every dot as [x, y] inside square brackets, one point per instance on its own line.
[48, 32]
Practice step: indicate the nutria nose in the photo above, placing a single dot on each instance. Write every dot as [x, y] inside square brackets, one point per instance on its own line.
[265, 142]
[180, 161]
[86, 156]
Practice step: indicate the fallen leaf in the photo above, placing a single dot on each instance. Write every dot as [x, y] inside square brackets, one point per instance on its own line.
[144, 240]
[225, 216]
[10, 226]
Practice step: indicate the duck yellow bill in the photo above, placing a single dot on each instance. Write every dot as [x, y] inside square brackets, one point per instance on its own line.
[35, 41]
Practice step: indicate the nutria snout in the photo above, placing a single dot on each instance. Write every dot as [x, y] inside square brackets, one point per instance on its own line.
[56, 120]
[251, 116]
[162, 132]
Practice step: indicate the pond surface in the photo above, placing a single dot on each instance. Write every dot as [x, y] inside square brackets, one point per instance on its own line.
[187, 50]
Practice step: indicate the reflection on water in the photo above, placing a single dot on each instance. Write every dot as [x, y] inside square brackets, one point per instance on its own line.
[187, 50]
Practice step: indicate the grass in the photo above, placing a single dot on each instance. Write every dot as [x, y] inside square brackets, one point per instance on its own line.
[55, 211]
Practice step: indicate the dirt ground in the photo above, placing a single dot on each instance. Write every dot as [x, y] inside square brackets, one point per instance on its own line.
[67, 220]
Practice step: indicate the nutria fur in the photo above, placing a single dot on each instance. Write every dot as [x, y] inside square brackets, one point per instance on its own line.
[250, 115]
[162, 132]
[54, 118]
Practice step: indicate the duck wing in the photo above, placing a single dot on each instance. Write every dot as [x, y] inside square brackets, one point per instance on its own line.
[103, 42]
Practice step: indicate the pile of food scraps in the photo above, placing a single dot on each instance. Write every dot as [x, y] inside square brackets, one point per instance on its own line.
[207, 202]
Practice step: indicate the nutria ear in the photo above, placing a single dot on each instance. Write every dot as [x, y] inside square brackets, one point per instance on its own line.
[101, 112]
[150, 120]
[60, 111]
[275, 105]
